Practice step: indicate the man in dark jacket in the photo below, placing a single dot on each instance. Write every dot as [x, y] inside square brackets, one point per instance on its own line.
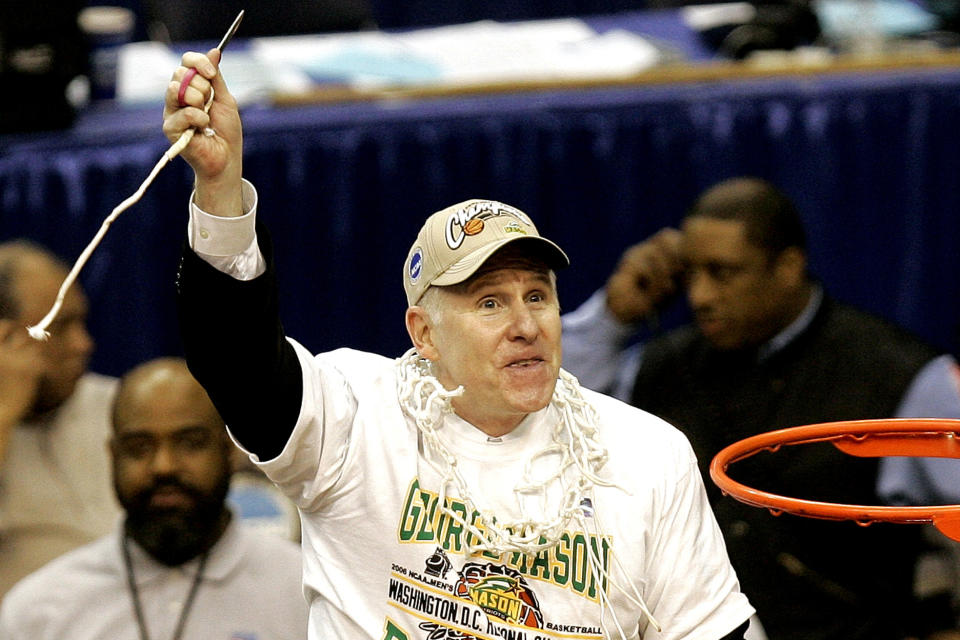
[769, 349]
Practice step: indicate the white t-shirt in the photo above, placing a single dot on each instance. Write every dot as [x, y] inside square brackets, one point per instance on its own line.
[381, 561]
[251, 590]
[56, 491]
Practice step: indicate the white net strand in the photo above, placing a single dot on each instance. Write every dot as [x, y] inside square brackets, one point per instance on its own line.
[600, 575]
[39, 330]
[522, 535]
[575, 441]
[634, 594]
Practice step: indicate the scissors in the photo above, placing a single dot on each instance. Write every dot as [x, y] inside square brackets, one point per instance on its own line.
[232, 30]
[188, 76]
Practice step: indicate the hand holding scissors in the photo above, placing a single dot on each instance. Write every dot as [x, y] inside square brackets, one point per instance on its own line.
[197, 98]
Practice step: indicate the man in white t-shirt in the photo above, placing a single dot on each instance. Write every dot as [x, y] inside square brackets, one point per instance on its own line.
[179, 565]
[471, 488]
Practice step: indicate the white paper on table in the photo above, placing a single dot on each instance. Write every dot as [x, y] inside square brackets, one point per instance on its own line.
[473, 53]
[476, 52]
[145, 68]
[143, 71]
[702, 17]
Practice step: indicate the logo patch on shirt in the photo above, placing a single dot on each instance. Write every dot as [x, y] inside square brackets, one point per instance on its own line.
[438, 564]
[500, 592]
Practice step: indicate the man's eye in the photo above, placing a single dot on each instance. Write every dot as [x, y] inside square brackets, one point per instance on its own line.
[723, 273]
[137, 448]
[489, 303]
[193, 441]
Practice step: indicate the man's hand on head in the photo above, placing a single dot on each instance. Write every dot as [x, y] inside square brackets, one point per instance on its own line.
[21, 366]
[647, 276]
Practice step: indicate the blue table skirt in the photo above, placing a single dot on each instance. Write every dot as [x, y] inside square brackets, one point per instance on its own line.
[871, 159]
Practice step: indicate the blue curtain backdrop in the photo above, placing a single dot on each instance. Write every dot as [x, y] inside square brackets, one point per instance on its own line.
[871, 160]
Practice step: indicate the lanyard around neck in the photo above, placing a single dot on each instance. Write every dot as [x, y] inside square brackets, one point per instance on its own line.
[135, 593]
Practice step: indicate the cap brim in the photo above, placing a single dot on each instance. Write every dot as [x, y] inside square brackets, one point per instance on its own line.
[552, 255]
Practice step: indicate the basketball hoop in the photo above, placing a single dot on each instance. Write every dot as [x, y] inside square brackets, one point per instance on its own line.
[932, 437]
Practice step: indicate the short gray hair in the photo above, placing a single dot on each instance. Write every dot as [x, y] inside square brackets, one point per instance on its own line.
[431, 303]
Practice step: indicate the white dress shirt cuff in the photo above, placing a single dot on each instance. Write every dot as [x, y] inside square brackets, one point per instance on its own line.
[218, 236]
[228, 244]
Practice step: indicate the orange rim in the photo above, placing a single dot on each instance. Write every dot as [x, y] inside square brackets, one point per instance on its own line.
[932, 437]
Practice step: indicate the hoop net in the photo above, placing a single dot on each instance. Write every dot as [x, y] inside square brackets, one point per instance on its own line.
[928, 437]
[582, 456]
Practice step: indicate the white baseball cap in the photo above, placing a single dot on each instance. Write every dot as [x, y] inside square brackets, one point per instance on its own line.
[454, 242]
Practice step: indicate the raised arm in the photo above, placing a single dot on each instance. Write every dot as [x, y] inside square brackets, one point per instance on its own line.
[647, 277]
[597, 334]
[20, 371]
[229, 317]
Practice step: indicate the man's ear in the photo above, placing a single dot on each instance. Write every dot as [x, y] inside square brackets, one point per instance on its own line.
[420, 328]
[792, 265]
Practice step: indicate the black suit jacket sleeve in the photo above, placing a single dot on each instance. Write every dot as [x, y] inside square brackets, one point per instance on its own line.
[236, 348]
[738, 633]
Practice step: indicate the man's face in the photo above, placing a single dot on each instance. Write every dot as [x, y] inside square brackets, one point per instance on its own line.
[66, 354]
[739, 294]
[171, 467]
[499, 336]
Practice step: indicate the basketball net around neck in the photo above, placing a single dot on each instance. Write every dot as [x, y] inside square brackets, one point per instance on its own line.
[582, 456]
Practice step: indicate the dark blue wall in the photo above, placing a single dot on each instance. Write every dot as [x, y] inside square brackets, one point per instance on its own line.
[872, 161]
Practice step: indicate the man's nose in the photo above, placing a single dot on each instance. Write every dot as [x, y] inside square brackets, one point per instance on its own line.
[164, 460]
[523, 324]
[80, 340]
[701, 290]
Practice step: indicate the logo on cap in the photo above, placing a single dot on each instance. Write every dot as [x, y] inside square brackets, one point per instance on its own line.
[469, 220]
[513, 227]
[416, 265]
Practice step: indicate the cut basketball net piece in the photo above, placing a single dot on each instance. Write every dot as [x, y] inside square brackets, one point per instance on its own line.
[39, 330]
[928, 437]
